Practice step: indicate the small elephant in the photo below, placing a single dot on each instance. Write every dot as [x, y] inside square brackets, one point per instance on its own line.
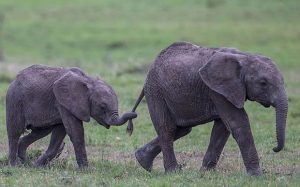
[49, 99]
[190, 85]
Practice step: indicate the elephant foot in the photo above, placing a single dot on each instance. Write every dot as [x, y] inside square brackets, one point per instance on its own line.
[204, 168]
[48, 156]
[173, 168]
[40, 162]
[83, 167]
[144, 160]
[255, 172]
[38, 165]
[15, 163]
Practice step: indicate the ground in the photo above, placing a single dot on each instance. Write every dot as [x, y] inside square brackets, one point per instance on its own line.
[118, 40]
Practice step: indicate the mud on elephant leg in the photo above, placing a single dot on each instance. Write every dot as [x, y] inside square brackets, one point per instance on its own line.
[27, 140]
[218, 139]
[55, 147]
[146, 154]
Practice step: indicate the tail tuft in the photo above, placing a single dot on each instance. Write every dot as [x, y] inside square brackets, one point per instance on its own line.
[130, 127]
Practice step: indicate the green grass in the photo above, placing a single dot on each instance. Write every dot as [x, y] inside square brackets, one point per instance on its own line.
[119, 40]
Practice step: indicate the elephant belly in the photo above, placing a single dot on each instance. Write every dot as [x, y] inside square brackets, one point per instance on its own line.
[43, 120]
[192, 113]
[190, 107]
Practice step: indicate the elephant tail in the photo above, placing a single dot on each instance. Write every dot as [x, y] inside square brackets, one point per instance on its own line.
[130, 124]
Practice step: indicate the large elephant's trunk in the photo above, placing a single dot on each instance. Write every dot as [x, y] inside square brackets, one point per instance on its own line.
[281, 107]
[117, 121]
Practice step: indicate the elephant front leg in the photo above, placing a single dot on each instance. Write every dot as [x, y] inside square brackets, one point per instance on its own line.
[74, 129]
[237, 122]
[244, 138]
[146, 154]
[218, 139]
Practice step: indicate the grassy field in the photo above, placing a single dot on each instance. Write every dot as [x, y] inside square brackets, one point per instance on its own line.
[119, 40]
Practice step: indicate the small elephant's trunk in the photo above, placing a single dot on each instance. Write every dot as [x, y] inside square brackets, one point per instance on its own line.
[118, 121]
[281, 108]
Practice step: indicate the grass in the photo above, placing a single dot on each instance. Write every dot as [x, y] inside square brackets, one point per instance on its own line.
[118, 40]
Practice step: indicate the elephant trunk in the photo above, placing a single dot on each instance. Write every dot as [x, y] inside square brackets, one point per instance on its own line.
[118, 121]
[281, 108]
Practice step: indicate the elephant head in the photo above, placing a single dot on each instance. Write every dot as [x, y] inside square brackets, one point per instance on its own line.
[86, 97]
[239, 77]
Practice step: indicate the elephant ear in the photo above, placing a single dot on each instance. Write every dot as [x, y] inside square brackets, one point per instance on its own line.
[71, 92]
[222, 73]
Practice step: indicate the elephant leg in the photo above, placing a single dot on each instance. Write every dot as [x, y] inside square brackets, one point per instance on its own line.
[165, 129]
[15, 127]
[146, 154]
[55, 147]
[74, 129]
[218, 139]
[27, 140]
[236, 119]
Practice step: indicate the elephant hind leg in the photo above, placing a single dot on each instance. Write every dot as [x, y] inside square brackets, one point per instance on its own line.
[13, 139]
[28, 139]
[55, 147]
[218, 139]
[165, 128]
[146, 154]
[15, 127]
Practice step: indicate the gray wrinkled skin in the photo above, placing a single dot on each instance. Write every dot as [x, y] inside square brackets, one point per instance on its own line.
[47, 99]
[189, 85]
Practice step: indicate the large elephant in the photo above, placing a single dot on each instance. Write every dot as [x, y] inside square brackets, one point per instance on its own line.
[190, 85]
[46, 99]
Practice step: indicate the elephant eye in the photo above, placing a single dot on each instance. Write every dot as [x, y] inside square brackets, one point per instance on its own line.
[103, 107]
[263, 83]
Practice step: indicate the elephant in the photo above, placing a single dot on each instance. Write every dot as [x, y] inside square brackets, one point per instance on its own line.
[189, 85]
[57, 100]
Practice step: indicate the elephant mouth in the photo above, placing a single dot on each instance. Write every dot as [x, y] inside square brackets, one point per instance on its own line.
[267, 105]
[101, 122]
